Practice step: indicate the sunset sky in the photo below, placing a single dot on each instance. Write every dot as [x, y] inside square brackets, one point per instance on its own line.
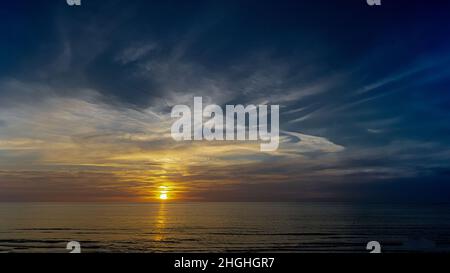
[86, 94]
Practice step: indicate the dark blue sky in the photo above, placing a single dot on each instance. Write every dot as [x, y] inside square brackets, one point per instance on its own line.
[370, 82]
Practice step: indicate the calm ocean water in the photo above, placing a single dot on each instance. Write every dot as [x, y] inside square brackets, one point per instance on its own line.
[223, 227]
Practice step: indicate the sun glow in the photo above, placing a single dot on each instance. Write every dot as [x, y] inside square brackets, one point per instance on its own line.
[163, 196]
[163, 193]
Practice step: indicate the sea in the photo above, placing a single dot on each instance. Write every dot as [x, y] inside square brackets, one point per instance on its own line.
[224, 227]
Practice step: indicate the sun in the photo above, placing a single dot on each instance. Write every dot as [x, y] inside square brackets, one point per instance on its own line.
[163, 196]
[163, 190]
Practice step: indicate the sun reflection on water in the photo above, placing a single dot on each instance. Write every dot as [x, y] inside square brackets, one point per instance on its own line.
[160, 225]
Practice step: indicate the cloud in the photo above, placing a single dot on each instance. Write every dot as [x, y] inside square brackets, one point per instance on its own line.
[134, 53]
[57, 135]
[307, 143]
